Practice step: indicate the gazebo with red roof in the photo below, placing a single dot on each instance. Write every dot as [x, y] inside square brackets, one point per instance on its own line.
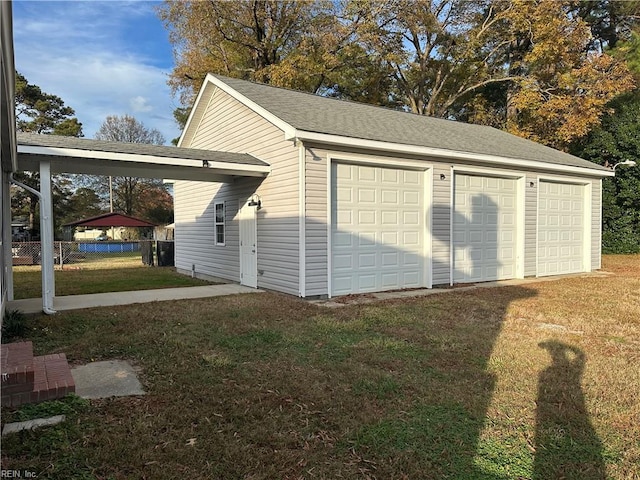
[108, 220]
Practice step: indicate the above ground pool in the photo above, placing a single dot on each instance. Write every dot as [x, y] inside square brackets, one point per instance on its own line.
[108, 247]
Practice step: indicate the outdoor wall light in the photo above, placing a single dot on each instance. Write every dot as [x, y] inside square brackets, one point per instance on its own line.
[443, 176]
[630, 163]
[531, 184]
[255, 201]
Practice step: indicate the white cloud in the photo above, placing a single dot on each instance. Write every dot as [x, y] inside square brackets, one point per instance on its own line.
[140, 104]
[89, 54]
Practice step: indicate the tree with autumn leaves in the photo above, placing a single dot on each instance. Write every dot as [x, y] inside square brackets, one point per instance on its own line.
[548, 70]
[529, 67]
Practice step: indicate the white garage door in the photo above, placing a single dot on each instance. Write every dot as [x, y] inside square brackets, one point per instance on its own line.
[484, 228]
[560, 228]
[377, 221]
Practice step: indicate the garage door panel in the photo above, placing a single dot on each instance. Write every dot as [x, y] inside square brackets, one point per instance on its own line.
[343, 262]
[366, 281]
[412, 279]
[389, 197]
[484, 228]
[342, 282]
[385, 226]
[389, 259]
[365, 174]
[411, 239]
[412, 177]
[366, 260]
[367, 217]
[389, 218]
[411, 198]
[560, 228]
[342, 239]
[389, 238]
[365, 239]
[366, 195]
[475, 236]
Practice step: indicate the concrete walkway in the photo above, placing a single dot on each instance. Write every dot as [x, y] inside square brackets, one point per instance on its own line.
[75, 302]
[423, 292]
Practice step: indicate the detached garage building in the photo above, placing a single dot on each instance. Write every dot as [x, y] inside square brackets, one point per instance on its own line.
[357, 198]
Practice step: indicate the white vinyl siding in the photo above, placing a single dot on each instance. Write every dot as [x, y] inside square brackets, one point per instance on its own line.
[530, 225]
[378, 227]
[484, 228]
[316, 222]
[561, 216]
[441, 224]
[195, 232]
[230, 126]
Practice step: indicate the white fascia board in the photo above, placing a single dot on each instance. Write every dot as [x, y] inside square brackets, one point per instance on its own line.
[192, 113]
[289, 131]
[138, 158]
[441, 153]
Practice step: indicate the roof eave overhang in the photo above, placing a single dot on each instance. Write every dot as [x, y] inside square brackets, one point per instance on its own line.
[443, 154]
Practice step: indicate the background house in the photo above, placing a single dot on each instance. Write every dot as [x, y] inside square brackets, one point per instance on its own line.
[362, 198]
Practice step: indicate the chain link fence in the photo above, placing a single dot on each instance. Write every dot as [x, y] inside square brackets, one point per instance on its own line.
[96, 254]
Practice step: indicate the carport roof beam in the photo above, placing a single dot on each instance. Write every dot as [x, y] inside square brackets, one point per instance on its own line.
[78, 155]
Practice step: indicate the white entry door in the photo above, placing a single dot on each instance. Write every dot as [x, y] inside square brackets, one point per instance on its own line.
[248, 241]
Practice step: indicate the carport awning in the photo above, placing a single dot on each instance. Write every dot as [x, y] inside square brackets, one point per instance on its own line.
[96, 157]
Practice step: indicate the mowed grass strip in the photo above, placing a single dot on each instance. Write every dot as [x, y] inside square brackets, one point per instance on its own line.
[539, 381]
[28, 284]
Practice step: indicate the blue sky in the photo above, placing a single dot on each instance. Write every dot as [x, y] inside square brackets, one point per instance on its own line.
[101, 58]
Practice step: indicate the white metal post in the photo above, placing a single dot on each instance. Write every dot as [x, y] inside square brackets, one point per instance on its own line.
[46, 237]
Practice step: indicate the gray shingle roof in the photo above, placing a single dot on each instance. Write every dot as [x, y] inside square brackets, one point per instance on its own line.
[56, 141]
[313, 113]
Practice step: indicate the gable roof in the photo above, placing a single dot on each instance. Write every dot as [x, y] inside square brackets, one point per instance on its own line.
[110, 220]
[311, 117]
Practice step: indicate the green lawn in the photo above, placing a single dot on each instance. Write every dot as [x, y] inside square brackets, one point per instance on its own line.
[535, 382]
[121, 277]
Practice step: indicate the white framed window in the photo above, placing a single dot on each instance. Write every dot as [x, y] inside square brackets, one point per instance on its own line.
[219, 227]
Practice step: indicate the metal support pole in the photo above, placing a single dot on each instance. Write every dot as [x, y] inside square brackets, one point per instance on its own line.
[46, 238]
[46, 234]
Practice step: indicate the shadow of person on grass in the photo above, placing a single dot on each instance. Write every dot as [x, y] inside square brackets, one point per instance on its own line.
[566, 443]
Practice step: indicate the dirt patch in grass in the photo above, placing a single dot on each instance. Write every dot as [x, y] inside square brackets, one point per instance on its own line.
[268, 386]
